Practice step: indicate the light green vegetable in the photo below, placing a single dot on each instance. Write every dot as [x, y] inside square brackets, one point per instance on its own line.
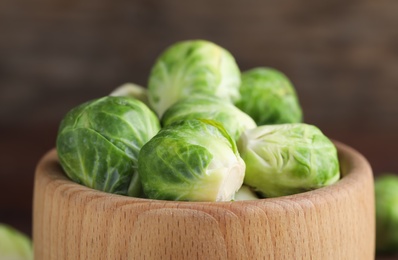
[245, 193]
[209, 107]
[287, 159]
[131, 90]
[98, 143]
[268, 97]
[192, 67]
[193, 160]
[14, 245]
[386, 194]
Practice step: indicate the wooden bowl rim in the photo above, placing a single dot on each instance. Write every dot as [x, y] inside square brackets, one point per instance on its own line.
[355, 171]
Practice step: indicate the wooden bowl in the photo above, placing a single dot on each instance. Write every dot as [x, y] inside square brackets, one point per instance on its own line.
[71, 221]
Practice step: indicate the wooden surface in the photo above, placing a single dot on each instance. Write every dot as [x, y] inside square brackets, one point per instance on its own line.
[75, 222]
[341, 56]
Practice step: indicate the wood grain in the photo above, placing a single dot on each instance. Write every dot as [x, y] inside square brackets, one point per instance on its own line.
[75, 222]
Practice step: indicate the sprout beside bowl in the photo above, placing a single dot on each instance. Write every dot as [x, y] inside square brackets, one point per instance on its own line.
[14, 245]
[386, 194]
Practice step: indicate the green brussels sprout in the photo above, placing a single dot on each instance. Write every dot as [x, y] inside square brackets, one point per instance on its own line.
[192, 160]
[386, 194]
[14, 245]
[98, 143]
[131, 90]
[210, 107]
[245, 193]
[268, 97]
[192, 67]
[287, 159]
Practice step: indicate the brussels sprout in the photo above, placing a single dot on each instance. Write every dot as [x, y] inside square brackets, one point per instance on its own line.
[192, 67]
[14, 245]
[246, 193]
[268, 97]
[386, 194]
[131, 90]
[287, 159]
[193, 160]
[209, 107]
[98, 143]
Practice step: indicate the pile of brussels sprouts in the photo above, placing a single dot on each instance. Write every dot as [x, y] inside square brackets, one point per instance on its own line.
[201, 130]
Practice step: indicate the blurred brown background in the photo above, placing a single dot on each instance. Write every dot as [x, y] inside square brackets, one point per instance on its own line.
[342, 57]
